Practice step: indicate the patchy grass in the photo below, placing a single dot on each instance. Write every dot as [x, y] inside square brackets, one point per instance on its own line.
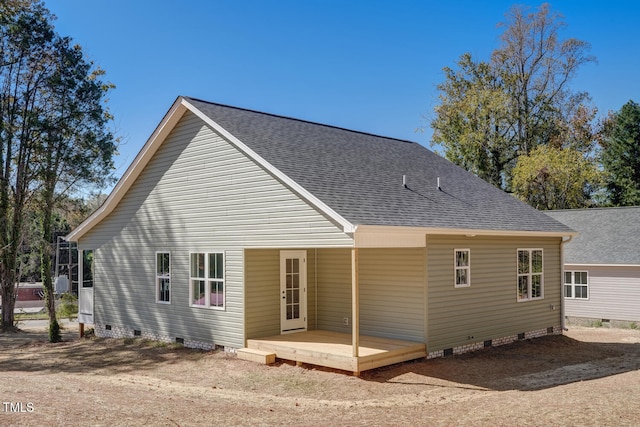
[18, 316]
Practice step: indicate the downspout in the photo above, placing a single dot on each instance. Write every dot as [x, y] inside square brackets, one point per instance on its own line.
[562, 243]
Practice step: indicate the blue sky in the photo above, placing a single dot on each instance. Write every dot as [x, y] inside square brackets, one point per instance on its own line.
[371, 66]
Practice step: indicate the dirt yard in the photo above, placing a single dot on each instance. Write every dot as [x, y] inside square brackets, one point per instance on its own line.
[589, 377]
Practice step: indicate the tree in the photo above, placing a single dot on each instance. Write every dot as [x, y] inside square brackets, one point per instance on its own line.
[564, 173]
[472, 120]
[555, 178]
[621, 156]
[25, 55]
[76, 146]
[537, 66]
[491, 113]
[53, 136]
[68, 212]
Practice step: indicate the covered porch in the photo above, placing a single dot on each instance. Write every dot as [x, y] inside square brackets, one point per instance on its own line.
[336, 350]
[343, 308]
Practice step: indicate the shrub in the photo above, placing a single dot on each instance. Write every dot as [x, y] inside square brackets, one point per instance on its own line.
[68, 306]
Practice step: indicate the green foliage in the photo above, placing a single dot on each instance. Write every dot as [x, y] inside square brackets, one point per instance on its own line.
[621, 156]
[555, 178]
[472, 120]
[26, 40]
[492, 113]
[68, 306]
[54, 137]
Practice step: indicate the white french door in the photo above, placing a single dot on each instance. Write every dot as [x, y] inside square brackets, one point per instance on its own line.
[293, 291]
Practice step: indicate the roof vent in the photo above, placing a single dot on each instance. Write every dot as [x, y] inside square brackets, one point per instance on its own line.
[404, 181]
[439, 188]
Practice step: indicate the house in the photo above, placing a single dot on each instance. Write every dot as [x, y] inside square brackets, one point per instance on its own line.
[602, 265]
[247, 230]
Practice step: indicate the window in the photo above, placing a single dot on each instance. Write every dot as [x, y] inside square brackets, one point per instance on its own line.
[576, 284]
[530, 274]
[163, 277]
[462, 267]
[207, 280]
[87, 268]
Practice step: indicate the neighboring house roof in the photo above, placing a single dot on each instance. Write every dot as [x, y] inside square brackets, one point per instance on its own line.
[354, 177]
[607, 236]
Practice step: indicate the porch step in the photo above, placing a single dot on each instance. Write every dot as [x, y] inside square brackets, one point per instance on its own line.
[259, 356]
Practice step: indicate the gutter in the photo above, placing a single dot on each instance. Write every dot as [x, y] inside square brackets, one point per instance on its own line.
[562, 243]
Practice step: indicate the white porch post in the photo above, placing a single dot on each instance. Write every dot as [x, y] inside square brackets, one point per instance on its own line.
[355, 303]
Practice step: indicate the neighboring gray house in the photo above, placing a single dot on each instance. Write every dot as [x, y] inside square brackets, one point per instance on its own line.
[602, 264]
[313, 243]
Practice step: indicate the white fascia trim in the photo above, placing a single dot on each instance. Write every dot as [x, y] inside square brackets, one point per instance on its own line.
[457, 231]
[600, 265]
[133, 171]
[346, 225]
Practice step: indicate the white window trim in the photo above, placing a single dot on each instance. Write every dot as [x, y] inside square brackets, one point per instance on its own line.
[162, 276]
[207, 305]
[456, 268]
[530, 275]
[573, 285]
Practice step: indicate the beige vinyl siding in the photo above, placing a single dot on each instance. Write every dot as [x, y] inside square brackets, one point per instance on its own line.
[392, 287]
[328, 278]
[198, 193]
[125, 296]
[488, 308]
[334, 289]
[311, 288]
[262, 292]
[614, 294]
[391, 292]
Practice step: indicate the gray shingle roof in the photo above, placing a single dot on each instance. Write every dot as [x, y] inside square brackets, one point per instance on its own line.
[607, 235]
[359, 175]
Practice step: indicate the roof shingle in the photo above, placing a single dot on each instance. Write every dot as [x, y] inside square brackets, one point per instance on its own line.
[606, 235]
[360, 175]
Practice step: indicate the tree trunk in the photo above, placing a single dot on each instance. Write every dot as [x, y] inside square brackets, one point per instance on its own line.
[8, 296]
[8, 269]
[45, 262]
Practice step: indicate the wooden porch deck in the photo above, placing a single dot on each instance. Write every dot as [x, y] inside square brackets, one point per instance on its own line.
[334, 350]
